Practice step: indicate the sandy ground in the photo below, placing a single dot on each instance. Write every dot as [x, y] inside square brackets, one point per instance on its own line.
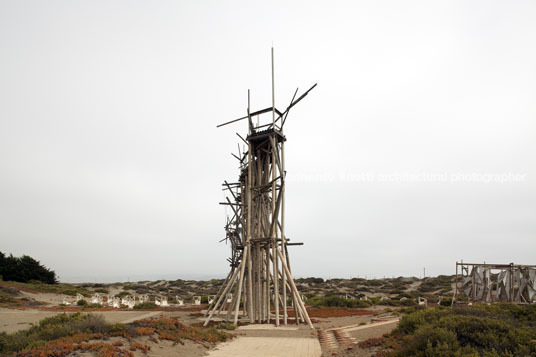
[12, 320]
[366, 332]
[268, 347]
[15, 320]
[49, 298]
[332, 322]
[268, 340]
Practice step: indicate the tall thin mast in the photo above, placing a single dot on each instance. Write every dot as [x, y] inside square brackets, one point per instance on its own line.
[273, 90]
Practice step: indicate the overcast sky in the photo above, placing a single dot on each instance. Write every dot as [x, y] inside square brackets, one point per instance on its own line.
[416, 149]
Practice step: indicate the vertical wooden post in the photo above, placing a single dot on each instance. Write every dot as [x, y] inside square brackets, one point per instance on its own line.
[259, 282]
[267, 273]
[239, 293]
[283, 237]
[455, 286]
[275, 246]
[249, 208]
[273, 90]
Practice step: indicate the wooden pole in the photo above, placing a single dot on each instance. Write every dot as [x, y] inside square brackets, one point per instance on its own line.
[283, 237]
[220, 290]
[293, 287]
[267, 292]
[274, 236]
[248, 231]
[273, 90]
[223, 295]
[241, 281]
[455, 286]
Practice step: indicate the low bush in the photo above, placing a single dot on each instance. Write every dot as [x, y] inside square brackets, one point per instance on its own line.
[495, 330]
[441, 282]
[310, 280]
[7, 290]
[123, 294]
[337, 301]
[371, 342]
[145, 306]
[6, 298]
[50, 329]
[226, 326]
[38, 286]
[446, 302]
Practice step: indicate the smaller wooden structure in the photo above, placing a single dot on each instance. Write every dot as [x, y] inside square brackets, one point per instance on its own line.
[495, 282]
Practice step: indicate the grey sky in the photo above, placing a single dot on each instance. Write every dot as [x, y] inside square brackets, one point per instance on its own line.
[111, 164]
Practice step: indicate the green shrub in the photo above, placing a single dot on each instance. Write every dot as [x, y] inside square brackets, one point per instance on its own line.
[65, 289]
[52, 328]
[446, 302]
[310, 280]
[6, 298]
[82, 302]
[373, 282]
[337, 301]
[226, 326]
[441, 282]
[145, 306]
[71, 291]
[482, 330]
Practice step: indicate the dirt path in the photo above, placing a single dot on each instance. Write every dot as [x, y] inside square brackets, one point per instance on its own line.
[378, 329]
[15, 320]
[12, 320]
[268, 346]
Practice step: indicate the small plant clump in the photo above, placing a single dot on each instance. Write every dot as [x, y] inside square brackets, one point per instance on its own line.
[145, 306]
[371, 342]
[226, 326]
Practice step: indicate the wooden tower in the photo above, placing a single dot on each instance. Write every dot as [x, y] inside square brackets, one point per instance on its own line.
[260, 278]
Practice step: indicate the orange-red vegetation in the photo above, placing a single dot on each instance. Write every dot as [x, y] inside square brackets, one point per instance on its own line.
[138, 346]
[333, 312]
[144, 331]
